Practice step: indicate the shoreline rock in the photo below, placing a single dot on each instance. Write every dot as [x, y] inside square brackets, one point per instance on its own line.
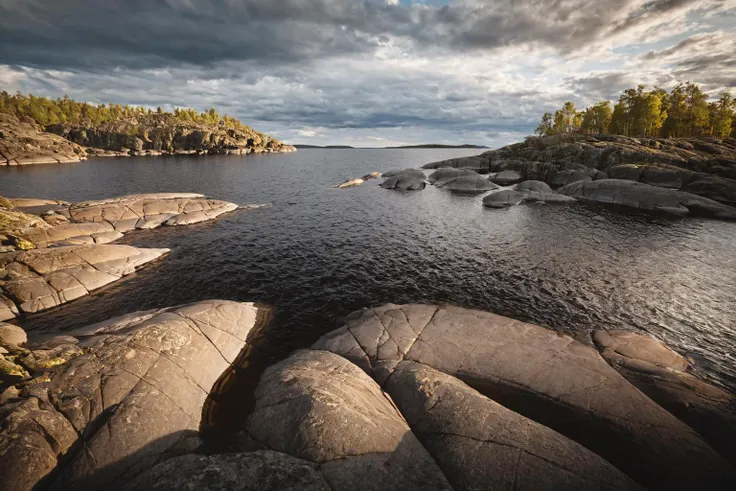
[401, 397]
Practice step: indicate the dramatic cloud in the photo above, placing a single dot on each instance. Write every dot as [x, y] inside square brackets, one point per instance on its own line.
[365, 72]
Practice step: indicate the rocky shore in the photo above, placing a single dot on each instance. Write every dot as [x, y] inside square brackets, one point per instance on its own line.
[669, 176]
[400, 397]
[52, 252]
[23, 142]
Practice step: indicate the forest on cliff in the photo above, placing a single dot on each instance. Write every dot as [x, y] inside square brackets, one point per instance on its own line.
[684, 111]
[115, 126]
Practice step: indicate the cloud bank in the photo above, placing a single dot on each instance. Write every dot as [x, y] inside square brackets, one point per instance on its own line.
[365, 72]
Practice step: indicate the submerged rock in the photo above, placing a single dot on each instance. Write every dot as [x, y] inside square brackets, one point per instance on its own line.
[44, 278]
[648, 198]
[406, 180]
[134, 396]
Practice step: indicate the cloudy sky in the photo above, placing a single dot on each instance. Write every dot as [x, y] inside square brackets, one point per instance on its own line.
[366, 72]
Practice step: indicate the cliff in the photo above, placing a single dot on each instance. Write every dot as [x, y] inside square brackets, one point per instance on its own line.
[41, 130]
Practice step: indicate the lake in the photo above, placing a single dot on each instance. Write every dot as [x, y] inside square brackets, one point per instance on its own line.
[320, 253]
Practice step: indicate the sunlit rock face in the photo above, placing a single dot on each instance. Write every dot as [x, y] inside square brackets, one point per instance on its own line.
[129, 396]
[401, 397]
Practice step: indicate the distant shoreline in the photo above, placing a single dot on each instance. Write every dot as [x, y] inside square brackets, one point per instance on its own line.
[424, 146]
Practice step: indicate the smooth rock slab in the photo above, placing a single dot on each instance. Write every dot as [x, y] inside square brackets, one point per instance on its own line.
[507, 178]
[663, 375]
[648, 198]
[480, 444]
[43, 278]
[319, 407]
[468, 183]
[134, 396]
[406, 180]
[547, 377]
[508, 197]
[12, 334]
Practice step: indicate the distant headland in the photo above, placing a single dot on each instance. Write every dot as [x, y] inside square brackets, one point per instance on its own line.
[38, 130]
[425, 145]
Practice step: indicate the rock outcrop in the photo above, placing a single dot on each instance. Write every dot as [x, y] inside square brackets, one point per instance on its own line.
[511, 197]
[704, 166]
[130, 398]
[645, 197]
[543, 376]
[405, 180]
[43, 278]
[25, 142]
[666, 377]
[104, 221]
[401, 397]
[471, 183]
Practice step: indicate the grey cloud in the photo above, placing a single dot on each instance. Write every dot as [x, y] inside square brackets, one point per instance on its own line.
[153, 33]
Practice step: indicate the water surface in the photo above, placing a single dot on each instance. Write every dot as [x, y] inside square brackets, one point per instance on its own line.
[320, 253]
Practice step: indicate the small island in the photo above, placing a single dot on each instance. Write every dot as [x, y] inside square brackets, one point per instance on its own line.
[37, 130]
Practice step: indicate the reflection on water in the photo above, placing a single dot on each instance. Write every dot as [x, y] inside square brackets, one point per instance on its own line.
[320, 253]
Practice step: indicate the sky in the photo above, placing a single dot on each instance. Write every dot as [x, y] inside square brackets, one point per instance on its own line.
[366, 72]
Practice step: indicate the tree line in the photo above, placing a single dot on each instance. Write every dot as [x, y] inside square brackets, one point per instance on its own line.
[65, 111]
[683, 112]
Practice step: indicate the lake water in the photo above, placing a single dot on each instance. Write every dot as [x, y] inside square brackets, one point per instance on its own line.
[320, 253]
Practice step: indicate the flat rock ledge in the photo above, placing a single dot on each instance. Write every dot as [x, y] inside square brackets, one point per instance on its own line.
[104, 221]
[425, 397]
[128, 395]
[39, 279]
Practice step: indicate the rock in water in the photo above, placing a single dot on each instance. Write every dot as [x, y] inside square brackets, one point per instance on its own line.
[648, 198]
[408, 172]
[44, 278]
[508, 197]
[544, 376]
[507, 178]
[350, 183]
[468, 182]
[406, 180]
[663, 375]
[135, 396]
[533, 185]
[445, 174]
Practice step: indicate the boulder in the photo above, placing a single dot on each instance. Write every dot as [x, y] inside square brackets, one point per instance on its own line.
[445, 174]
[8, 310]
[321, 408]
[253, 471]
[507, 178]
[536, 186]
[12, 334]
[664, 376]
[508, 197]
[648, 198]
[408, 172]
[408, 180]
[468, 182]
[480, 164]
[133, 398]
[44, 278]
[547, 377]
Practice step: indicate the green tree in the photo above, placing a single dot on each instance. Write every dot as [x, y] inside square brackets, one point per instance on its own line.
[546, 126]
[597, 118]
[721, 115]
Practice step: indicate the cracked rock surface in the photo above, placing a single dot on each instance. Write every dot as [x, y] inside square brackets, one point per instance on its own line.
[35, 280]
[132, 397]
